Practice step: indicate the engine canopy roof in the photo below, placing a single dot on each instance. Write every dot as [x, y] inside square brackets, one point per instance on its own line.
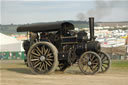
[46, 27]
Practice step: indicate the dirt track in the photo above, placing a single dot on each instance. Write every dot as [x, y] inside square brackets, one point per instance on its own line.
[16, 73]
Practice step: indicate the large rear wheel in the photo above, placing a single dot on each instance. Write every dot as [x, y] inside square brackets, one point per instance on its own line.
[42, 58]
[89, 63]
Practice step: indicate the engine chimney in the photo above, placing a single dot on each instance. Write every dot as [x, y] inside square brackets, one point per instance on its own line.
[91, 26]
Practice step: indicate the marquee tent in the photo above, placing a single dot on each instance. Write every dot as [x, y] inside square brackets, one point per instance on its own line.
[8, 43]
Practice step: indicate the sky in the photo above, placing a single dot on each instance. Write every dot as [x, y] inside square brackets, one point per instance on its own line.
[34, 11]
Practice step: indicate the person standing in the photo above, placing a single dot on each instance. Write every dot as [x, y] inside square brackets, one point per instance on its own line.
[126, 43]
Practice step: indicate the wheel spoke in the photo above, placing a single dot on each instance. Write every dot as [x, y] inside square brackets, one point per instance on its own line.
[46, 66]
[103, 57]
[89, 56]
[34, 53]
[50, 63]
[37, 57]
[105, 63]
[38, 50]
[86, 69]
[48, 51]
[49, 59]
[45, 51]
[91, 69]
[37, 64]
[92, 58]
[102, 68]
[40, 67]
[47, 63]
[94, 63]
[43, 66]
[49, 54]
[96, 66]
[34, 59]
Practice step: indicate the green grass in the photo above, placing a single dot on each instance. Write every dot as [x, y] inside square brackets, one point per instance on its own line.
[120, 63]
[119, 66]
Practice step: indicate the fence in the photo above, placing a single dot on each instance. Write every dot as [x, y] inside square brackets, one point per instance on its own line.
[12, 55]
[22, 55]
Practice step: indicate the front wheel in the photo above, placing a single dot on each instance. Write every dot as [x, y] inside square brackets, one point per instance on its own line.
[89, 63]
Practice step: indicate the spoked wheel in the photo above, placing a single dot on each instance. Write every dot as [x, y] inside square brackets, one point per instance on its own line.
[89, 63]
[105, 60]
[42, 58]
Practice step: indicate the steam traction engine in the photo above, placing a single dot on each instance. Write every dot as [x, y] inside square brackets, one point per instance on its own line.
[57, 45]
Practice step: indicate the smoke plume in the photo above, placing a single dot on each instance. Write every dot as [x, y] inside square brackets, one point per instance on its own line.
[102, 9]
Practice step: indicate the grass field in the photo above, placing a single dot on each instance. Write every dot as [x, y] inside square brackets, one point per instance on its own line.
[119, 64]
[14, 72]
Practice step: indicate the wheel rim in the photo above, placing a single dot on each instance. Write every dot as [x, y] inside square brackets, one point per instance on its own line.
[41, 58]
[105, 59]
[89, 63]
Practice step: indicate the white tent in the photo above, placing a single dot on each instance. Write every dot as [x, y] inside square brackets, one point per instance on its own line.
[8, 43]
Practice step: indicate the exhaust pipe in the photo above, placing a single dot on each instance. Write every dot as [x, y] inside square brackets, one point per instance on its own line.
[91, 26]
